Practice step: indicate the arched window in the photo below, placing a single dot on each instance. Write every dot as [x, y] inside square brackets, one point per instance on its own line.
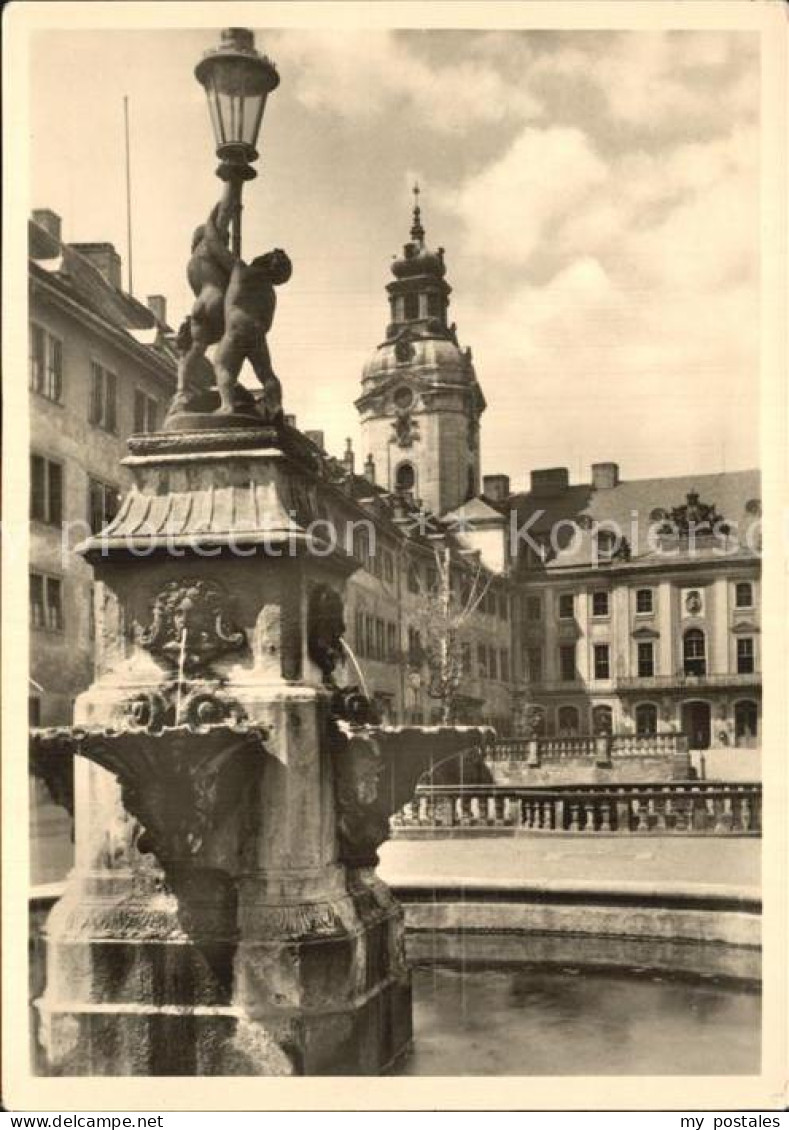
[411, 306]
[602, 720]
[746, 723]
[569, 722]
[405, 477]
[646, 718]
[694, 652]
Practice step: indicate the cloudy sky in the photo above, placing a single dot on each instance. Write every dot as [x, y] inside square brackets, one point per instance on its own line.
[597, 194]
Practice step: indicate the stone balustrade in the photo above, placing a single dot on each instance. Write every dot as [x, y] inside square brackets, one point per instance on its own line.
[600, 747]
[666, 808]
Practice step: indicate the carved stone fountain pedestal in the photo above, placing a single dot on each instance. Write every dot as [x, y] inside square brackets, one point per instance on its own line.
[223, 915]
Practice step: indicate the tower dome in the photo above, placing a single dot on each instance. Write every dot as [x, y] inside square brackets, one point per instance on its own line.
[421, 403]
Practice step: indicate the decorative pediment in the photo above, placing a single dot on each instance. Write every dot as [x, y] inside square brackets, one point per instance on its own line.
[745, 628]
[692, 517]
[645, 633]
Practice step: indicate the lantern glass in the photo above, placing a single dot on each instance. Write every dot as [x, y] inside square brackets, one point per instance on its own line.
[237, 86]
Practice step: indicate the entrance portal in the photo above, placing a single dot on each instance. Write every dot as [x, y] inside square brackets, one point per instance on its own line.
[696, 724]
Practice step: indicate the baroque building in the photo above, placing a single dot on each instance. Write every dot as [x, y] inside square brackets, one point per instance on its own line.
[100, 367]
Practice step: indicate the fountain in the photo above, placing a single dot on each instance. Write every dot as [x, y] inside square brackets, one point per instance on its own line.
[224, 915]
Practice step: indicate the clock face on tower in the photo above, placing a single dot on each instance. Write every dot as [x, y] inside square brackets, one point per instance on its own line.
[403, 398]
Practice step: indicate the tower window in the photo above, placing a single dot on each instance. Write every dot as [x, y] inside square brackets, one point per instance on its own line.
[411, 306]
[433, 306]
[405, 477]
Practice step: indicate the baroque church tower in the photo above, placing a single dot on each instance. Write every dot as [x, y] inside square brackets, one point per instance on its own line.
[421, 403]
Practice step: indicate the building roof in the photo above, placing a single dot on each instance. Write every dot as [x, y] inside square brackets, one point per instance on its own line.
[75, 277]
[647, 516]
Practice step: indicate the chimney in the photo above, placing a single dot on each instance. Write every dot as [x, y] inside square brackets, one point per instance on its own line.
[316, 438]
[496, 487]
[104, 258]
[369, 469]
[551, 481]
[605, 475]
[48, 220]
[347, 458]
[157, 304]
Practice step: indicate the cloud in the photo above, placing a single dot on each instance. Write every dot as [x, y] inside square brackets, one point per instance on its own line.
[361, 74]
[509, 206]
[661, 81]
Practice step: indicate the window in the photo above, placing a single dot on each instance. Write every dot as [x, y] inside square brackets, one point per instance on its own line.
[566, 606]
[504, 665]
[46, 602]
[388, 567]
[534, 664]
[369, 636]
[391, 640]
[694, 652]
[605, 544]
[482, 660]
[504, 610]
[646, 718]
[405, 477]
[434, 305]
[103, 398]
[534, 608]
[568, 722]
[358, 631]
[411, 306]
[644, 601]
[432, 579]
[746, 724]
[414, 647]
[46, 364]
[493, 664]
[414, 585]
[146, 412]
[465, 658]
[646, 660]
[103, 502]
[602, 720]
[743, 595]
[36, 600]
[600, 603]
[33, 710]
[46, 490]
[745, 655]
[567, 662]
[602, 666]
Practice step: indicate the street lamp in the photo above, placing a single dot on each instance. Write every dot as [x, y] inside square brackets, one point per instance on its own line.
[237, 81]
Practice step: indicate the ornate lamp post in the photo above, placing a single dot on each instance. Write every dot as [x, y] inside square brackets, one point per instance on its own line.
[237, 81]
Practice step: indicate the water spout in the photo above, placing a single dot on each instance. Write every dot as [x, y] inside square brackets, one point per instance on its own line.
[181, 659]
[349, 652]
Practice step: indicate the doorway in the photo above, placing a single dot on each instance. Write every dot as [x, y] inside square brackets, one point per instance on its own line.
[696, 723]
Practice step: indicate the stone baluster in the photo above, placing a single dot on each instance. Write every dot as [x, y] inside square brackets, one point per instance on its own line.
[725, 817]
[474, 810]
[640, 812]
[589, 820]
[491, 816]
[574, 814]
[623, 813]
[547, 815]
[745, 814]
[660, 811]
[710, 820]
[605, 818]
[423, 816]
